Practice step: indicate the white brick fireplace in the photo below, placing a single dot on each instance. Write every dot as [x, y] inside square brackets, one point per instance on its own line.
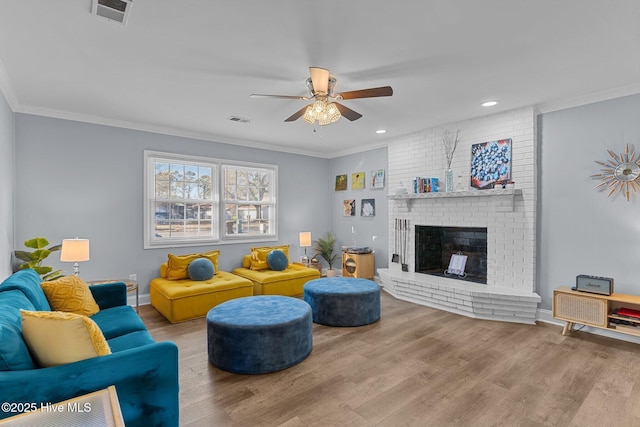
[508, 215]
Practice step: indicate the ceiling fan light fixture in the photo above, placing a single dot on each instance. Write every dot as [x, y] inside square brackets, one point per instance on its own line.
[308, 115]
[322, 112]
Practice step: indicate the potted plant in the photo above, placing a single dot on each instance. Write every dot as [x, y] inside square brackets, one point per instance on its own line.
[325, 247]
[34, 258]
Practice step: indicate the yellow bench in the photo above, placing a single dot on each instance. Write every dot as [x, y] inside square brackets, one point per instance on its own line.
[288, 282]
[185, 299]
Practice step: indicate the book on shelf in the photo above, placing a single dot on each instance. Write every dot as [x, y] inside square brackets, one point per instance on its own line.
[628, 312]
[425, 185]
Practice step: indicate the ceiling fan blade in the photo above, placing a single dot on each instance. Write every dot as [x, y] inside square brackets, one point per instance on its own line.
[347, 113]
[319, 79]
[366, 93]
[295, 116]
[258, 95]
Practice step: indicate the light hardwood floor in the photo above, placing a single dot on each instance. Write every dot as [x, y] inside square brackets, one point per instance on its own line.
[417, 366]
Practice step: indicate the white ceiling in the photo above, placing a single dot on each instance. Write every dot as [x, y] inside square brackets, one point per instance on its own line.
[184, 67]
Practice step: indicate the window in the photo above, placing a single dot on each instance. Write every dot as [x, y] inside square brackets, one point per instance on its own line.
[182, 201]
[249, 203]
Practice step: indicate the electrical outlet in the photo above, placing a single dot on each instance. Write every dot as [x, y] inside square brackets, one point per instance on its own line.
[133, 276]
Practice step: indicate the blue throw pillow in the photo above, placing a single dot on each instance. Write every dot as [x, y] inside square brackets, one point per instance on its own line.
[200, 269]
[277, 260]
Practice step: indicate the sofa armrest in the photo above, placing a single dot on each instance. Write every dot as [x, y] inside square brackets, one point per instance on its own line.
[146, 380]
[109, 295]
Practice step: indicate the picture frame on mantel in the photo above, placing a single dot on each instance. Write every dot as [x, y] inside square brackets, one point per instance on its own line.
[490, 163]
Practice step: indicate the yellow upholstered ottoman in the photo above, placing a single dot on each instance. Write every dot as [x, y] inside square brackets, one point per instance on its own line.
[288, 282]
[185, 299]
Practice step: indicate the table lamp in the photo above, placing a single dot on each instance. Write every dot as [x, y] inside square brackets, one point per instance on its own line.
[305, 242]
[75, 250]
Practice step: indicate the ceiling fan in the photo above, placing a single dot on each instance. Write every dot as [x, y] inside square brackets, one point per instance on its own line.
[321, 85]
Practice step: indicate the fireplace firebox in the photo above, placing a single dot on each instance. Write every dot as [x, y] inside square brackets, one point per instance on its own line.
[434, 247]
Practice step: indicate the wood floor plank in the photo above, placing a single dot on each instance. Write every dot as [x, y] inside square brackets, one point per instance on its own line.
[417, 366]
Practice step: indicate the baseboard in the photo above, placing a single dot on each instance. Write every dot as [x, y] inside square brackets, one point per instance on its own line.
[143, 299]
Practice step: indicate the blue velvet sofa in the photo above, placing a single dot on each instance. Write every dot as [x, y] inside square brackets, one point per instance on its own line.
[144, 372]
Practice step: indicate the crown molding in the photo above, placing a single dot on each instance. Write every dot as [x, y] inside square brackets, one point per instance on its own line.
[85, 118]
[7, 89]
[578, 101]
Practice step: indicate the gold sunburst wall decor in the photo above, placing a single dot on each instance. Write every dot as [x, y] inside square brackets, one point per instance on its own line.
[619, 173]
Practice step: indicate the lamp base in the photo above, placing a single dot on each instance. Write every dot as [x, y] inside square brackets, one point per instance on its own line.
[76, 269]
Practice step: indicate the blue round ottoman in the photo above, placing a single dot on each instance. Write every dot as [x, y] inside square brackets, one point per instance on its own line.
[259, 334]
[341, 301]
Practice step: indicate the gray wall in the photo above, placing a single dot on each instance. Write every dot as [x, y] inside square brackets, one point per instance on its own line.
[580, 230]
[7, 142]
[365, 227]
[86, 180]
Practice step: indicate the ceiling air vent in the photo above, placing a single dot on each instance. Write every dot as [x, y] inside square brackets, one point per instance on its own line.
[115, 10]
[239, 119]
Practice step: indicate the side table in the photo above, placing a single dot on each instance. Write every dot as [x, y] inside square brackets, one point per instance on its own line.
[132, 285]
[314, 265]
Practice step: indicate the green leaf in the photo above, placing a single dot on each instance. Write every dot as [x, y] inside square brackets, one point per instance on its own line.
[52, 276]
[37, 243]
[40, 254]
[55, 248]
[22, 255]
[42, 270]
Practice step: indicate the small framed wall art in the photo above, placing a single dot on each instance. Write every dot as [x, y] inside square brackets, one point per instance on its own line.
[357, 181]
[341, 182]
[349, 207]
[368, 207]
[377, 179]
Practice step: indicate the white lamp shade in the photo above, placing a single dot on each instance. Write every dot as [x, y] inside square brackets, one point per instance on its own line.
[305, 239]
[74, 250]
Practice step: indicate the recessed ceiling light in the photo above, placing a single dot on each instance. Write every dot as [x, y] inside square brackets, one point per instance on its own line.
[489, 103]
[381, 131]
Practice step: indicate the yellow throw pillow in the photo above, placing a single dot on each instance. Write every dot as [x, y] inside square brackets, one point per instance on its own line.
[70, 294]
[163, 270]
[177, 265]
[259, 256]
[57, 338]
[246, 261]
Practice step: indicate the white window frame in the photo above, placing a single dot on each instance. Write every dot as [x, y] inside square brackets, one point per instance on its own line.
[218, 202]
[273, 221]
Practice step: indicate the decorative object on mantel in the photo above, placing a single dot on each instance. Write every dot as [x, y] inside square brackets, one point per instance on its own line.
[503, 185]
[401, 189]
[490, 163]
[620, 173]
[450, 144]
